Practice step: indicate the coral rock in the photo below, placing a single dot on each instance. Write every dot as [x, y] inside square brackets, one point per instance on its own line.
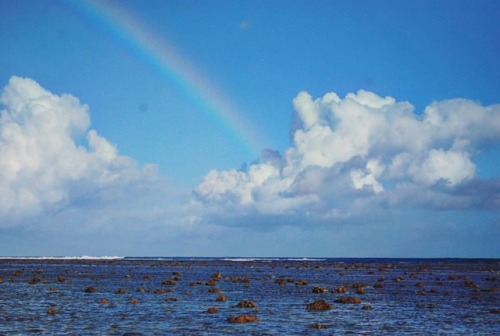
[246, 304]
[243, 319]
[339, 290]
[221, 298]
[319, 326]
[348, 299]
[319, 290]
[319, 305]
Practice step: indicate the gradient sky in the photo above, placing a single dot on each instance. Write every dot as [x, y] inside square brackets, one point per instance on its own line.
[250, 128]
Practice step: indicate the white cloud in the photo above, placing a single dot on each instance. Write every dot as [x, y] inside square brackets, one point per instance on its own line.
[360, 151]
[49, 158]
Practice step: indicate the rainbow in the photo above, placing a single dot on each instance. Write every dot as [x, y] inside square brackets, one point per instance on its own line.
[166, 61]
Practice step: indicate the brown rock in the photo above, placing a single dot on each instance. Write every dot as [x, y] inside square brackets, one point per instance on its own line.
[216, 276]
[1, 280]
[495, 311]
[339, 290]
[318, 289]
[90, 289]
[51, 311]
[243, 319]
[159, 291]
[134, 301]
[212, 310]
[367, 307]
[61, 279]
[171, 299]
[319, 326]
[215, 290]
[348, 299]
[169, 283]
[104, 301]
[280, 281]
[35, 280]
[212, 282]
[120, 291]
[360, 290]
[319, 305]
[246, 304]
[221, 298]
[470, 284]
[301, 283]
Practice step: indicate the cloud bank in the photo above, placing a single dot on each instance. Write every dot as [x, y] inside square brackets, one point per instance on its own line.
[363, 176]
[364, 152]
[52, 163]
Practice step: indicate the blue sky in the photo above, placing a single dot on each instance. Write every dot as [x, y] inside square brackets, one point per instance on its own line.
[304, 128]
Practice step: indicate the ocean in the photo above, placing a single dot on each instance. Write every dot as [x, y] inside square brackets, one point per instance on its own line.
[271, 296]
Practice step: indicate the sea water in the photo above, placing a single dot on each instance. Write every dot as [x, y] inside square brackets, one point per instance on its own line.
[171, 296]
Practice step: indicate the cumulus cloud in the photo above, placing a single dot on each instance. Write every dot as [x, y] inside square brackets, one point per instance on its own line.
[353, 153]
[51, 162]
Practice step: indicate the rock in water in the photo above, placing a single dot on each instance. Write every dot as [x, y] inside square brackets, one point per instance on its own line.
[242, 319]
[319, 305]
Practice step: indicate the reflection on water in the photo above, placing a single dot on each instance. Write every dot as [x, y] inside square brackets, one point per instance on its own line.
[159, 296]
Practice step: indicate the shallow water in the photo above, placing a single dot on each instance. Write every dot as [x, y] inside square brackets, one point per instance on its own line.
[433, 296]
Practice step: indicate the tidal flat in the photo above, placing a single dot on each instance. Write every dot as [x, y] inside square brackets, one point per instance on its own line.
[252, 296]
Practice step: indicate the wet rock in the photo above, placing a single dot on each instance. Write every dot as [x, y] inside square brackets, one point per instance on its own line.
[319, 326]
[169, 283]
[104, 301]
[61, 279]
[339, 290]
[243, 319]
[216, 276]
[420, 284]
[246, 304]
[51, 311]
[171, 299]
[212, 310]
[215, 290]
[348, 299]
[280, 281]
[159, 291]
[319, 305]
[360, 290]
[318, 289]
[90, 289]
[221, 298]
[495, 311]
[134, 301]
[367, 307]
[1, 280]
[378, 286]
[470, 284]
[398, 279]
[34, 280]
[120, 291]
[212, 282]
[301, 283]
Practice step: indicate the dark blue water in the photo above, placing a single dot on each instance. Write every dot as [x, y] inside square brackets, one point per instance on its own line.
[158, 296]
